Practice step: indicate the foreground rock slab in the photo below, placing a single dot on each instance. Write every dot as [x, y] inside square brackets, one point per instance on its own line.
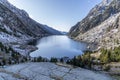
[48, 71]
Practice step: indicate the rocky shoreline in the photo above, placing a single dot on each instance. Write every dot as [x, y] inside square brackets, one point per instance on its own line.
[92, 46]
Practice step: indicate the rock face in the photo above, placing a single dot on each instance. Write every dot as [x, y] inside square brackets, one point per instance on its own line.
[48, 71]
[17, 28]
[17, 23]
[101, 24]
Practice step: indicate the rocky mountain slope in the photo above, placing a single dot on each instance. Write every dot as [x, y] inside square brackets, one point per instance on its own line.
[17, 28]
[100, 26]
[49, 71]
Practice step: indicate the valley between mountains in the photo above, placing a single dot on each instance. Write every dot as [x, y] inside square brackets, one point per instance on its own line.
[96, 38]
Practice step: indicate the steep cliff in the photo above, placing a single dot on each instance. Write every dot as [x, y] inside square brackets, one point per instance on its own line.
[17, 28]
[101, 25]
[17, 23]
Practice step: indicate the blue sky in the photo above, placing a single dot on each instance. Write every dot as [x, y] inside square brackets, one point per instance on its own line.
[59, 14]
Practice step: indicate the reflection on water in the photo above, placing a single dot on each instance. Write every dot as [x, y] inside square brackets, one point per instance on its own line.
[58, 46]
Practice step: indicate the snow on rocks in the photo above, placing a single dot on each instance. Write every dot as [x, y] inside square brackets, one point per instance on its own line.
[105, 2]
[7, 28]
[1, 19]
[17, 43]
[7, 38]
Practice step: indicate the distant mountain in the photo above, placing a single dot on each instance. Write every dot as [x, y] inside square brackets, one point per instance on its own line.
[101, 25]
[64, 33]
[17, 28]
[51, 30]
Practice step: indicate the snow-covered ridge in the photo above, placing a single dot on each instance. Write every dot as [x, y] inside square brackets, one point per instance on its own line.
[105, 2]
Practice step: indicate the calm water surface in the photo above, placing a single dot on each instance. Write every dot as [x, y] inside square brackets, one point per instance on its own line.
[58, 46]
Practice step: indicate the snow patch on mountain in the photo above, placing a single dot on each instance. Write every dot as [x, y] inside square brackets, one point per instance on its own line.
[105, 2]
